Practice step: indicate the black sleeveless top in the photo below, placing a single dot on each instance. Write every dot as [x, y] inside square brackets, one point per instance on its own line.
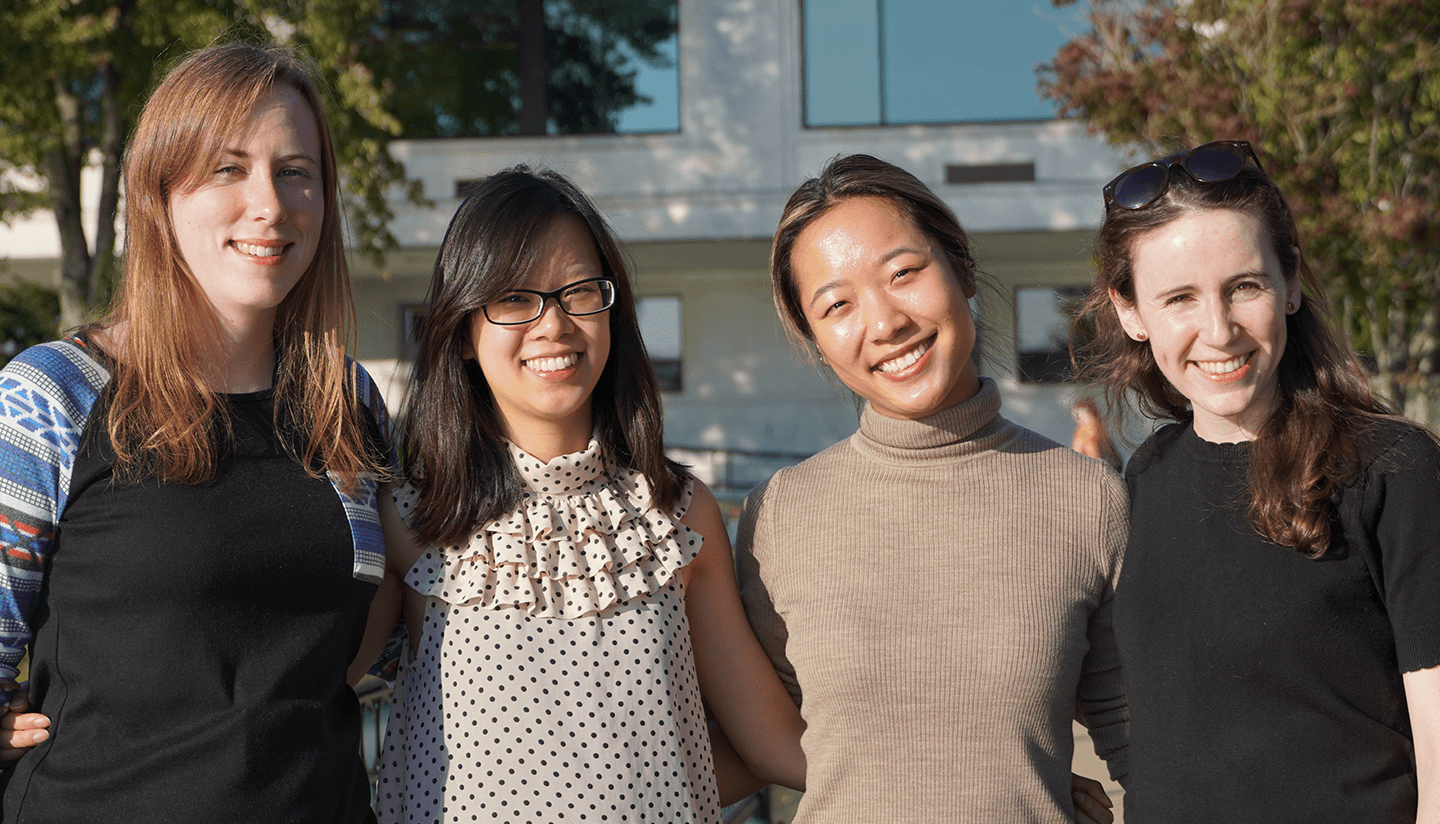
[191, 644]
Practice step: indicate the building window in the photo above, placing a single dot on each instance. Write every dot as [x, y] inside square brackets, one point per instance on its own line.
[1043, 323]
[660, 329]
[477, 68]
[412, 323]
[882, 62]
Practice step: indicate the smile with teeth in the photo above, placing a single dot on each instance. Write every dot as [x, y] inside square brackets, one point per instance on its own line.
[1224, 367]
[903, 361]
[553, 364]
[256, 250]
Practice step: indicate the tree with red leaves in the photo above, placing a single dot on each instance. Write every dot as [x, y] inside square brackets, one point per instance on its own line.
[1341, 99]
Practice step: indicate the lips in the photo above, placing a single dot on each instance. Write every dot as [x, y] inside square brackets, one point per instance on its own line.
[905, 359]
[1222, 368]
[553, 364]
[260, 249]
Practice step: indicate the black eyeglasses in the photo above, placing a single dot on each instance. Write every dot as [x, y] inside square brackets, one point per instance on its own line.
[1139, 186]
[583, 297]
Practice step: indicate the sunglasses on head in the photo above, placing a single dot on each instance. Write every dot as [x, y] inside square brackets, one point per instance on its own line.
[1139, 186]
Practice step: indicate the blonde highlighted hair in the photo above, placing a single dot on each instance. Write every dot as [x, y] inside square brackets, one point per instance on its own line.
[164, 419]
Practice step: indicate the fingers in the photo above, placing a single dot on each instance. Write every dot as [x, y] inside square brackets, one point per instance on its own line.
[1092, 804]
[20, 730]
[29, 731]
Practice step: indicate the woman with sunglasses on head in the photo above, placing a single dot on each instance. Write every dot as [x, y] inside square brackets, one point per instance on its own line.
[1277, 612]
[191, 537]
[934, 590]
[571, 599]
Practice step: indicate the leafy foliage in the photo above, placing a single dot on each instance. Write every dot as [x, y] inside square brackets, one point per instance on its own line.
[1342, 98]
[76, 72]
[27, 316]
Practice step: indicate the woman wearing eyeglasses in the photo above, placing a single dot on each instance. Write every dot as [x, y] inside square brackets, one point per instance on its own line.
[1277, 612]
[570, 595]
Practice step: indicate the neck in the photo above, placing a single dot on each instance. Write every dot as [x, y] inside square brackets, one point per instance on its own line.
[548, 440]
[243, 357]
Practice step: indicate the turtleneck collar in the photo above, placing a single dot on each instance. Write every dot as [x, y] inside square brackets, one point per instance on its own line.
[967, 428]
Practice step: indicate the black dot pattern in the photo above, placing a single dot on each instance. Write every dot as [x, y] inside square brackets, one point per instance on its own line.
[514, 709]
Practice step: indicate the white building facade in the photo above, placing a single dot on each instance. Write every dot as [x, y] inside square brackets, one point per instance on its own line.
[696, 208]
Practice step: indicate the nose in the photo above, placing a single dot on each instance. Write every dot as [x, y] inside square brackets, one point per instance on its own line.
[263, 198]
[1218, 324]
[553, 321]
[885, 317]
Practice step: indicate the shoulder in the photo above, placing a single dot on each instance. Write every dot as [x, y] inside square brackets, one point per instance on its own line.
[364, 388]
[1154, 449]
[1398, 447]
[60, 378]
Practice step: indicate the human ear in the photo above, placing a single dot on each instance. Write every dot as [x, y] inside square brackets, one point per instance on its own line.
[1129, 316]
[1294, 296]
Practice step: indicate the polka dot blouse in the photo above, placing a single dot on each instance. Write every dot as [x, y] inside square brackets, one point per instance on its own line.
[554, 680]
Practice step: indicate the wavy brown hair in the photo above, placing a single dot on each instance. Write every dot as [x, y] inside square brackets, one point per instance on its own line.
[164, 419]
[452, 437]
[1307, 450]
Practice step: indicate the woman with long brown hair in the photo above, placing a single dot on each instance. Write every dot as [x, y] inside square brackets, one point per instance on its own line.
[935, 589]
[1277, 613]
[191, 539]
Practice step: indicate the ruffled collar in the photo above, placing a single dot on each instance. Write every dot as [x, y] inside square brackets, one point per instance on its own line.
[586, 537]
[571, 474]
[968, 428]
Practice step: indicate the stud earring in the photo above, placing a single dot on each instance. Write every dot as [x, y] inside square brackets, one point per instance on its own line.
[1141, 336]
[1290, 307]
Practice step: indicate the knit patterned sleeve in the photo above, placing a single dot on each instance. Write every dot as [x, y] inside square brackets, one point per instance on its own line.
[753, 543]
[46, 395]
[1101, 702]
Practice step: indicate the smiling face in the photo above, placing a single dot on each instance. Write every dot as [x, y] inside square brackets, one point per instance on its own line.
[249, 228]
[1211, 300]
[542, 373]
[887, 311]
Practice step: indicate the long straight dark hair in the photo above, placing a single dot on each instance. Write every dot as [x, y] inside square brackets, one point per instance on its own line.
[1307, 450]
[452, 438]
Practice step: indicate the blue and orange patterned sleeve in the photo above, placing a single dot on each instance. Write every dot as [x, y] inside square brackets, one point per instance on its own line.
[46, 395]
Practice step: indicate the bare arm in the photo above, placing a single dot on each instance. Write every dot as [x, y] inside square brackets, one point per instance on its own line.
[737, 681]
[384, 611]
[1422, 693]
[733, 779]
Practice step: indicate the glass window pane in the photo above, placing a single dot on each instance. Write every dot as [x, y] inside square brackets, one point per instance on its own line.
[957, 60]
[842, 62]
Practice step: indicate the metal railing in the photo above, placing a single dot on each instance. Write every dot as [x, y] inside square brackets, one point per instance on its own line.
[733, 471]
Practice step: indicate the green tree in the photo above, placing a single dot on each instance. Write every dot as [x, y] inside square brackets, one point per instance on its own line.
[28, 313]
[1342, 98]
[73, 74]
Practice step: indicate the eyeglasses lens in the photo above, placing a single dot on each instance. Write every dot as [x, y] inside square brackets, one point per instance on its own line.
[588, 298]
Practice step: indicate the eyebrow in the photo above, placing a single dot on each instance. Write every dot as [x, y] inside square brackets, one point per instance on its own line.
[885, 258]
[1230, 281]
[244, 155]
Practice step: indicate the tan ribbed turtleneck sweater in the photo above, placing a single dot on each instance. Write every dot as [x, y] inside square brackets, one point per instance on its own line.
[936, 596]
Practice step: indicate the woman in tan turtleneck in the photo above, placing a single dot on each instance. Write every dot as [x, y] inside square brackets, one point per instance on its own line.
[934, 590]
